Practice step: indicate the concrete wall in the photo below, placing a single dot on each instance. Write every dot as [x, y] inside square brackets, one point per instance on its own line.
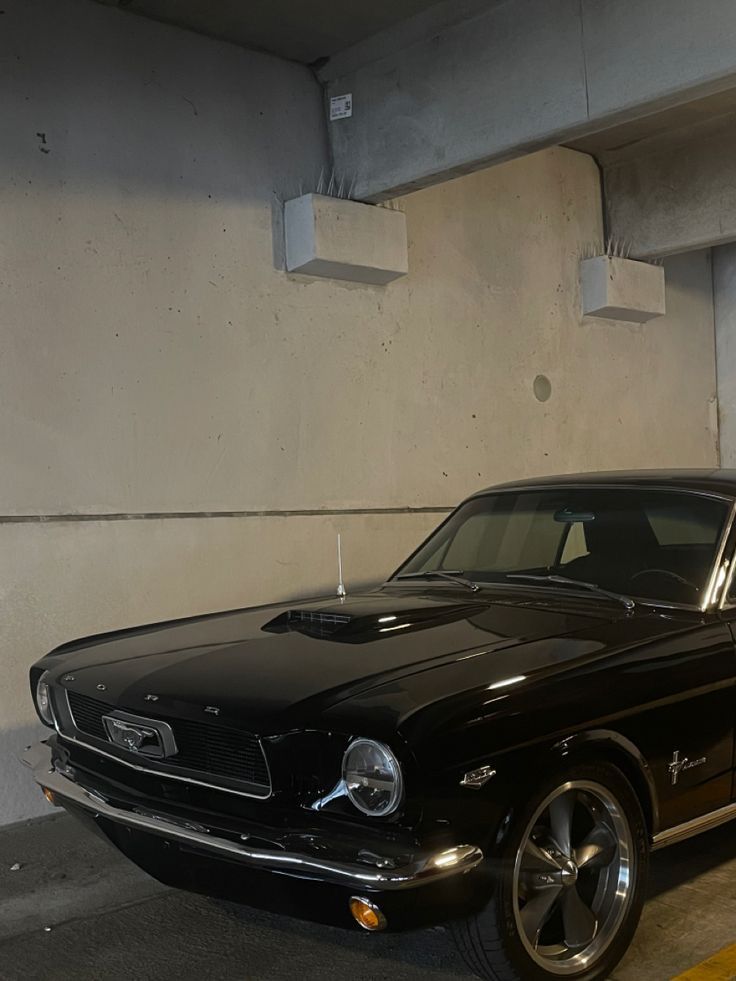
[157, 363]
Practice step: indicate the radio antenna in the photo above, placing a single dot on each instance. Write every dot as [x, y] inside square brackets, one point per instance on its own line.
[340, 584]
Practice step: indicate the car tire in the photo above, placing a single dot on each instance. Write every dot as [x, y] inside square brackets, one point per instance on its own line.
[569, 882]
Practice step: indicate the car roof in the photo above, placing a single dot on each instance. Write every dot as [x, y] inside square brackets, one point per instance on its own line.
[704, 481]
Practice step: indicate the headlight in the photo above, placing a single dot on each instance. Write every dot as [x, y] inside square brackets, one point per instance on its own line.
[43, 701]
[372, 777]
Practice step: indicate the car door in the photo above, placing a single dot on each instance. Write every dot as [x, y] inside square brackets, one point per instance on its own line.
[689, 728]
[728, 614]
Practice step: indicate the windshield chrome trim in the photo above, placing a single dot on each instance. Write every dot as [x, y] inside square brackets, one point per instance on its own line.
[709, 597]
[723, 603]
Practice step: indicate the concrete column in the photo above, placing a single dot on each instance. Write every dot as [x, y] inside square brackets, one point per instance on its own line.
[724, 303]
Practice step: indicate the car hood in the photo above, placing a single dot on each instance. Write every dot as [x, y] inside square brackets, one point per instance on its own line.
[274, 669]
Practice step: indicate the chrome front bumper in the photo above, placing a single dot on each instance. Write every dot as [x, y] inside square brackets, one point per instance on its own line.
[421, 870]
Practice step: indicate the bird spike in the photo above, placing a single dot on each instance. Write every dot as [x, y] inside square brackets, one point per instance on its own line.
[321, 181]
[331, 185]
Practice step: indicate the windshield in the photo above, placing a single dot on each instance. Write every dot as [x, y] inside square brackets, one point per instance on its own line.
[651, 544]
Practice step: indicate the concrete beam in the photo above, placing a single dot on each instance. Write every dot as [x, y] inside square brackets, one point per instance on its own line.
[516, 76]
[674, 193]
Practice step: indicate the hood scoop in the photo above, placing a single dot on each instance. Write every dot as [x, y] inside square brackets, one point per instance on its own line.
[314, 623]
[363, 627]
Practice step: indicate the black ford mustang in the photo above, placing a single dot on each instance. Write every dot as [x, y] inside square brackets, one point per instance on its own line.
[496, 737]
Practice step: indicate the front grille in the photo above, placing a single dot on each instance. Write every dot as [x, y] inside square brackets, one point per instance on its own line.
[87, 714]
[210, 749]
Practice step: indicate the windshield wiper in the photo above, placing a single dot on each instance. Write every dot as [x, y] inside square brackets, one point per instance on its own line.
[564, 581]
[454, 575]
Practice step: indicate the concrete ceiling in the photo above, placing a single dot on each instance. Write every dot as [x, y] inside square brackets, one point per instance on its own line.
[302, 30]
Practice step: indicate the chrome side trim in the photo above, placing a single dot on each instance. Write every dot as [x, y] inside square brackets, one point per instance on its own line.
[151, 771]
[421, 869]
[706, 822]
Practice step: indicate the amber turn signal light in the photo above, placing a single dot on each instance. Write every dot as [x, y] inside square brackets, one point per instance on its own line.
[367, 914]
[49, 795]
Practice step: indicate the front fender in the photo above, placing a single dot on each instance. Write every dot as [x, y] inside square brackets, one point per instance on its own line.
[489, 812]
[611, 745]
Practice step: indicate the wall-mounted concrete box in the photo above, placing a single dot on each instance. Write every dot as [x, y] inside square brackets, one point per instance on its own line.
[342, 239]
[622, 289]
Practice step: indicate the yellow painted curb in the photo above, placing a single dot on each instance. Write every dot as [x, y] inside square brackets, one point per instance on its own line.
[720, 967]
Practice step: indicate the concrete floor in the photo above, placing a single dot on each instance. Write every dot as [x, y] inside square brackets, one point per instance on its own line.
[110, 922]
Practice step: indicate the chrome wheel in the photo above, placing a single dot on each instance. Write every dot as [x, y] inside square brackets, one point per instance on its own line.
[573, 877]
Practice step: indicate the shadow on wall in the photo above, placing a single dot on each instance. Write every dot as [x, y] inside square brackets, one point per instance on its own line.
[21, 796]
[95, 96]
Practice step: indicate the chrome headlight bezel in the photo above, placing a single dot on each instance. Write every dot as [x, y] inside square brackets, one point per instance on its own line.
[391, 765]
[42, 698]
